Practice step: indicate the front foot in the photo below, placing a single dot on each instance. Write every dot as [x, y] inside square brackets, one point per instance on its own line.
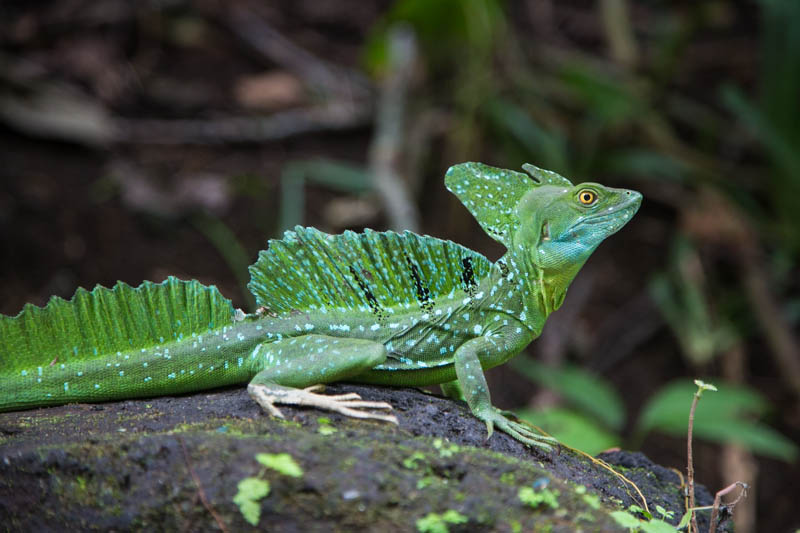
[521, 432]
[349, 404]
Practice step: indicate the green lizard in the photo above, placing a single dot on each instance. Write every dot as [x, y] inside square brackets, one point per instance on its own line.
[383, 308]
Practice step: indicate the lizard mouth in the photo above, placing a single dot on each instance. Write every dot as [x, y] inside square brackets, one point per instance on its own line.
[616, 216]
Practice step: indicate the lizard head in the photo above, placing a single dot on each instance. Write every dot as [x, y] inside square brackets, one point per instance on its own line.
[542, 215]
[561, 225]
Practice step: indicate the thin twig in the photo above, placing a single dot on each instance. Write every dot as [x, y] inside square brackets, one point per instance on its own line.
[784, 345]
[262, 38]
[690, 466]
[619, 33]
[388, 143]
[200, 490]
[736, 461]
[334, 116]
[731, 505]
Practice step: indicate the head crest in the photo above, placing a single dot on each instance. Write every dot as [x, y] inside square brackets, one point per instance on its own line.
[492, 194]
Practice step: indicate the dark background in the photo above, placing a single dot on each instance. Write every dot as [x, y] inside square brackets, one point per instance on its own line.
[139, 140]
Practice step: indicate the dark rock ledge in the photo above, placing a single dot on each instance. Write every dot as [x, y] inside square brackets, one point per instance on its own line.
[149, 464]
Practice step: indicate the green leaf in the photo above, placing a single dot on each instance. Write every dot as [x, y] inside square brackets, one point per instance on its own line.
[535, 498]
[592, 500]
[571, 428]
[664, 513]
[644, 165]
[725, 416]
[250, 491]
[681, 296]
[589, 393]
[541, 144]
[608, 97]
[326, 430]
[626, 519]
[668, 409]
[282, 462]
[657, 526]
[454, 517]
[329, 173]
[251, 510]
[774, 140]
[431, 523]
[447, 30]
[703, 386]
[410, 462]
[758, 438]
[687, 516]
[252, 488]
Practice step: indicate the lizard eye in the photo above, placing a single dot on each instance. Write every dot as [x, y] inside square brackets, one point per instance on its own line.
[587, 197]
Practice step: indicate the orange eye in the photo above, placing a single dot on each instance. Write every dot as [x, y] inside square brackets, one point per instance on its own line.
[587, 197]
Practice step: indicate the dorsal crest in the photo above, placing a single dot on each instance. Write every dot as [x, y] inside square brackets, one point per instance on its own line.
[310, 270]
[491, 194]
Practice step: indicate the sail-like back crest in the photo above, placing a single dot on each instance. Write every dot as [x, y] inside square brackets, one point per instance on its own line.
[364, 272]
[491, 194]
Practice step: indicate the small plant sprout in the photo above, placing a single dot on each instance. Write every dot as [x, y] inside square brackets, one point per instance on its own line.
[701, 387]
[536, 498]
[281, 462]
[251, 490]
[437, 523]
[665, 515]
[690, 518]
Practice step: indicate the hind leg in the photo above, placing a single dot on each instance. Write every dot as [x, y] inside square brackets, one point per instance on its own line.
[295, 368]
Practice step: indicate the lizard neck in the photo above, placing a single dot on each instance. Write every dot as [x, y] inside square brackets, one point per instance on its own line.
[540, 291]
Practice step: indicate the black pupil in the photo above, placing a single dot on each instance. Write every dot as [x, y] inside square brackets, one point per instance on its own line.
[587, 197]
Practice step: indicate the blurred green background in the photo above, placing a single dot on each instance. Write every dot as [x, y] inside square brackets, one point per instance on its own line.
[144, 139]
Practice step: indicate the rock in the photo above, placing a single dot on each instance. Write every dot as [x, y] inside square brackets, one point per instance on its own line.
[175, 463]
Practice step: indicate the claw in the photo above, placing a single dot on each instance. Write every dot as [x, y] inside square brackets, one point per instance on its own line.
[489, 428]
[517, 430]
[349, 404]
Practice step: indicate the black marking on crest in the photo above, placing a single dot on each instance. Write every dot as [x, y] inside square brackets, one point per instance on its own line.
[423, 292]
[503, 268]
[468, 276]
[371, 300]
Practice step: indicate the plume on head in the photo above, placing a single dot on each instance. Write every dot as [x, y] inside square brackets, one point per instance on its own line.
[543, 214]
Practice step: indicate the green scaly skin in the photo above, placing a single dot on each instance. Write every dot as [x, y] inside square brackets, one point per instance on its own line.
[378, 308]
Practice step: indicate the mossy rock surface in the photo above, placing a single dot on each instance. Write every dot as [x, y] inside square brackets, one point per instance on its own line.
[167, 463]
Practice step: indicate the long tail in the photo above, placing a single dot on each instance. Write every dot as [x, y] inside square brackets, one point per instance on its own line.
[43, 350]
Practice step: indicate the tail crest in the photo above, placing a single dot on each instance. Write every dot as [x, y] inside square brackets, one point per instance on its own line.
[95, 323]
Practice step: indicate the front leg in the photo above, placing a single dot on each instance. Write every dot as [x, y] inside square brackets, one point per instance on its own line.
[476, 392]
[294, 368]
